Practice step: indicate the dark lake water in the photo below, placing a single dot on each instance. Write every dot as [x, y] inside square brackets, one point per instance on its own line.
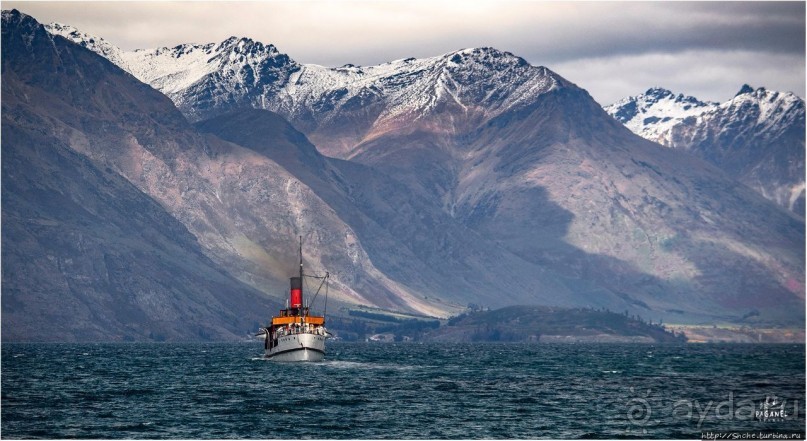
[401, 391]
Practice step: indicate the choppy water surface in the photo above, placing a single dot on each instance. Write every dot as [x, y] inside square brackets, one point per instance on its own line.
[398, 391]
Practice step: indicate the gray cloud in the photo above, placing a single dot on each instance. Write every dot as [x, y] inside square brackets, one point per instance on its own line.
[612, 49]
[707, 75]
[640, 28]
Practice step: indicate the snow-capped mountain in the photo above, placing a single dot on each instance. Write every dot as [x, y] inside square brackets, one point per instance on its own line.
[508, 153]
[652, 114]
[757, 136]
[211, 79]
[171, 69]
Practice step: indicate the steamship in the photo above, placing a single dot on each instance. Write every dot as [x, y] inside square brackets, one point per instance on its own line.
[295, 334]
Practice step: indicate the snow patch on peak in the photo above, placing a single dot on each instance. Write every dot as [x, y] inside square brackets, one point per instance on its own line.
[170, 69]
[487, 55]
[652, 114]
[88, 41]
[173, 70]
[771, 110]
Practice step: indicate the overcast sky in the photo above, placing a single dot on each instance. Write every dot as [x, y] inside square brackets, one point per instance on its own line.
[612, 49]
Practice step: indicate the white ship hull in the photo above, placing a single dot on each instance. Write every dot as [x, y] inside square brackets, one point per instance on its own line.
[298, 347]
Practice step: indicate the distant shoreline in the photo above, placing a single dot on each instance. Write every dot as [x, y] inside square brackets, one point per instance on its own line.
[738, 334]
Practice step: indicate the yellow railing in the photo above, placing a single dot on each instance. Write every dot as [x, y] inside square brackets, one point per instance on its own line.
[311, 319]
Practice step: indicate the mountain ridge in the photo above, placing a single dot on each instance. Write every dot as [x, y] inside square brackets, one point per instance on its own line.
[756, 136]
[206, 80]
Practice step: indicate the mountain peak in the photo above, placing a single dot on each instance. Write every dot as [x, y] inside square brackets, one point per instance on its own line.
[13, 15]
[246, 45]
[658, 92]
[655, 94]
[504, 65]
[746, 89]
[24, 38]
[17, 19]
[486, 57]
[766, 100]
[244, 50]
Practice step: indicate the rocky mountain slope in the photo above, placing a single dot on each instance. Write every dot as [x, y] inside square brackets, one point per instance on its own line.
[86, 255]
[756, 137]
[525, 159]
[564, 186]
[408, 237]
[121, 221]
